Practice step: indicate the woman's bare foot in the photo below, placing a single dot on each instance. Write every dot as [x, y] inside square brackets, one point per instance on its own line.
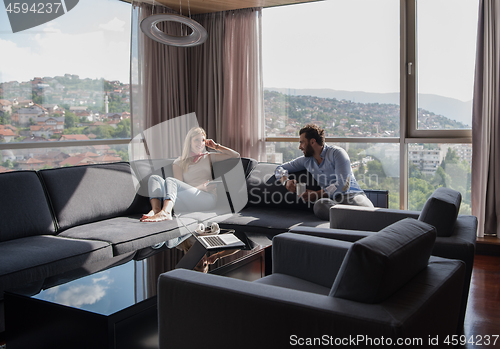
[149, 214]
[158, 217]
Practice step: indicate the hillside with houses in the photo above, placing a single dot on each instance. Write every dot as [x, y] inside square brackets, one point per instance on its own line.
[62, 108]
[286, 114]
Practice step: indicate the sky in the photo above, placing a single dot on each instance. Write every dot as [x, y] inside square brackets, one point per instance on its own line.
[85, 42]
[343, 45]
[354, 46]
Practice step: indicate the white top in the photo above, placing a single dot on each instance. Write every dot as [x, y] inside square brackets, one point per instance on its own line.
[198, 172]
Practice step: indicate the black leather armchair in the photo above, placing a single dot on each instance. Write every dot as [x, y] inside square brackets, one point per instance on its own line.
[382, 289]
[456, 234]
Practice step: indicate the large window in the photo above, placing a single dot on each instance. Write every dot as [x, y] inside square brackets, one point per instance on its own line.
[64, 88]
[399, 70]
[446, 48]
[334, 63]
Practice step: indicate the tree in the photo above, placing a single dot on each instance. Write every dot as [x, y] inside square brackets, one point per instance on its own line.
[451, 156]
[361, 168]
[103, 132]
[441, 178]
[70, 119]
[5, 118]
[122, 129]
[414, 172]
[8, 164]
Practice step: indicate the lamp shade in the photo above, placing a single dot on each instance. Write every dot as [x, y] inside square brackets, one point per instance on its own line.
[150, 28]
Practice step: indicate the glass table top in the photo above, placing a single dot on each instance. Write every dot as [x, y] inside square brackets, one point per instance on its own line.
[116, 285]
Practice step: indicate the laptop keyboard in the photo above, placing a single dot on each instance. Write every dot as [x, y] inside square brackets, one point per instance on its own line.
[214, 241]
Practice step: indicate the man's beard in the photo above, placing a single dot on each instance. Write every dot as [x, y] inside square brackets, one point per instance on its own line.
[309, 151]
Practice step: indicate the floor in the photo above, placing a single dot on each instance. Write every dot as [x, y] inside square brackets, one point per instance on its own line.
[483, 309]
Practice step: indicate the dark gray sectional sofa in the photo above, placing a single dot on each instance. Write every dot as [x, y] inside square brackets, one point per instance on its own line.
[57, 220]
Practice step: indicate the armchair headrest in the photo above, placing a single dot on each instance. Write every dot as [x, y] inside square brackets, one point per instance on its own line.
[377, 266]
[441, 210]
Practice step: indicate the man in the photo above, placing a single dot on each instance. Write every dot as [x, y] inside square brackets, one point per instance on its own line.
[330, 167]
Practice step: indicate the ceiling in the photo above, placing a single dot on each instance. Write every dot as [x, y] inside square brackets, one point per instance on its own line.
[206, 6]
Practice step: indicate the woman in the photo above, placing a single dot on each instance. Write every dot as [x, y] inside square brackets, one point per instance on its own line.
[190, 189]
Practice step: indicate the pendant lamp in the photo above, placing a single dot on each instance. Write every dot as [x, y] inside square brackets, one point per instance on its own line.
[149, 26]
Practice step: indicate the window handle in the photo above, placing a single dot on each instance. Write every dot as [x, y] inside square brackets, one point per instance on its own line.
[410, 65]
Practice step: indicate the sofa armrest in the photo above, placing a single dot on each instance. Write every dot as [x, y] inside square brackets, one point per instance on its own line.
[337, 234]
[366, 218]
[307, 257]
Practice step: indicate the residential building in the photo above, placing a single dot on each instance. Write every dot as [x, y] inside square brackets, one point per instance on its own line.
[74, 138]
[5, 106]
[55, 123]
[27, 115]
[41, 131]
[426, 160]
[6, 134]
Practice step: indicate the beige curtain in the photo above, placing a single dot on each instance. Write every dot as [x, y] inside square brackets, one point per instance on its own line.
[206, 75]
[221, 80]
[485, 193]
[159, 75]
[242, 114]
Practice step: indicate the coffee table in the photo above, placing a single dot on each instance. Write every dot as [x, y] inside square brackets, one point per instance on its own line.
[114, 305]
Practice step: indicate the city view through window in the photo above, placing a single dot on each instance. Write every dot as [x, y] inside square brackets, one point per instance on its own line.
[338, 67]
[66, 80]
[347, 82]
[63, 108]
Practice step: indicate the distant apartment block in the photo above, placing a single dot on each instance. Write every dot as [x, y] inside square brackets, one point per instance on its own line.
[464, 152]
[271, 154]
[426, 160]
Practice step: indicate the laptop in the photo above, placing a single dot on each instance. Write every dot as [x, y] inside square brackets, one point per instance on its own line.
[216, 242]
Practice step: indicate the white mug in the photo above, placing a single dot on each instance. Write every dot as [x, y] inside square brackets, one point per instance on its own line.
[301, 188]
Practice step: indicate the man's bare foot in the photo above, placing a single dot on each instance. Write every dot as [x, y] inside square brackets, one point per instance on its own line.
[158, 217]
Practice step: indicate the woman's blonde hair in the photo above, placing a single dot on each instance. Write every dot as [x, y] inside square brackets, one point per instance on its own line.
[186, 158]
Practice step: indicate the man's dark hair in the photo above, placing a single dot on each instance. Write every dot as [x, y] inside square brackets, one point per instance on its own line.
[313, 131]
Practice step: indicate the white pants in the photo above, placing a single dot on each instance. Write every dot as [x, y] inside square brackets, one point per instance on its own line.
[184, 197]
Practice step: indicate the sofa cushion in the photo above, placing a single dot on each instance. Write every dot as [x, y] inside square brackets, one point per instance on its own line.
[24, 210]
[377, 266]
[30, 259]
[295, 283]
[127, 234]
[441, 210]
[84, 194]
[270, 222]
